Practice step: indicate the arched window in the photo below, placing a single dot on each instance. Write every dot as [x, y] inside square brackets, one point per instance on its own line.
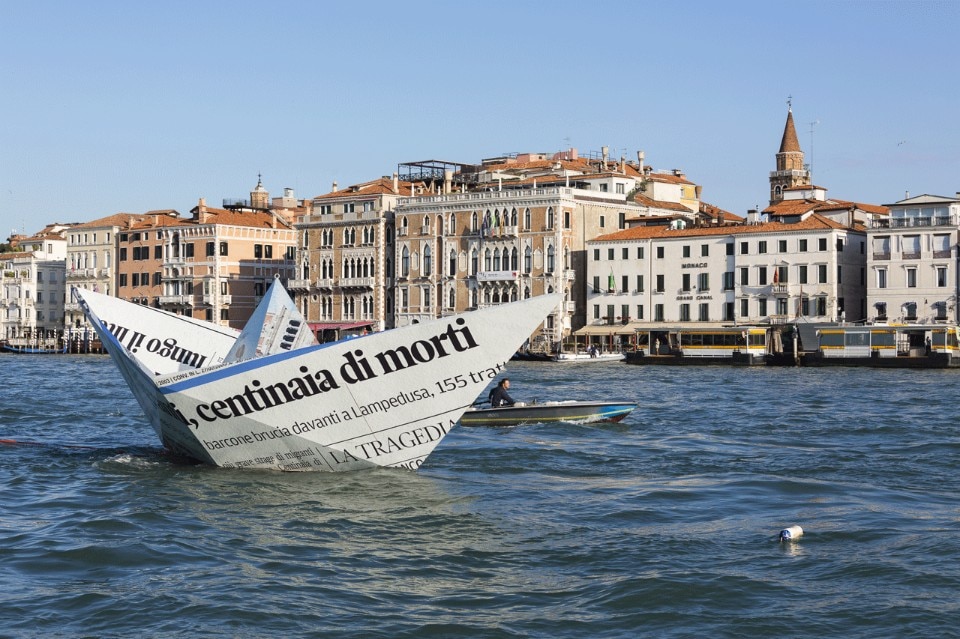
[427, 261]
[496, 260]
[473, 222]
[550, 217]
[452, 295]
[452, 226]
[513, 217]
[474, 258]
[487, 260]
[453, 263]
[405, 262]
[514, 257]
[566, 257]
[526, 219]
[551, 256]
[526, 292]
[425, 229]
[527, 260]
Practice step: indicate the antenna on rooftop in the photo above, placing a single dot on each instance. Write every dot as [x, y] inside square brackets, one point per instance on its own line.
[810, 165]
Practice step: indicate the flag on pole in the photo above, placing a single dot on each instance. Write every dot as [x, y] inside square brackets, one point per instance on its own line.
[611, 283]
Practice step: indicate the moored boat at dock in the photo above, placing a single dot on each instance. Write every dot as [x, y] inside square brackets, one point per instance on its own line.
[695, 346]
[33, 347]
[879, 345]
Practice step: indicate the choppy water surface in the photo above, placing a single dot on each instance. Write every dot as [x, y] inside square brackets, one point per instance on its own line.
[662, 525]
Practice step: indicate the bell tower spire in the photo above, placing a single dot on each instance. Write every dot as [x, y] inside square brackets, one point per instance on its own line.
[790, 169]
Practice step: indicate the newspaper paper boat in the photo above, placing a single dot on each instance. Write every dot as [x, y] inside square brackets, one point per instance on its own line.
[271, 397]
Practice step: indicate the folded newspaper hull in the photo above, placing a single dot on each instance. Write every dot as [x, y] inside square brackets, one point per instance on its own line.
[270, 397]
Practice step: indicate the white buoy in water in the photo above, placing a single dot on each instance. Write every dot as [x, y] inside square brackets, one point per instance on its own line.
[791, 534]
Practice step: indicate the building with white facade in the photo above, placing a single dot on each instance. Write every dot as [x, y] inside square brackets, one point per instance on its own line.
[33, 286]
[765, 273]
[912, 261]
[91, 260]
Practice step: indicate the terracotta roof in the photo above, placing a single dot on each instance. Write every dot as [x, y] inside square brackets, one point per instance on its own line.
[668, 178]
[805, 187]
[582, 165]
[117, 219]
[380, 186]
[643, 200]
[43, 235]
[799, 207]
[812, 223]
[713, 212]
[159, 221]
[562, 179]
[790, 143]
[256, 219]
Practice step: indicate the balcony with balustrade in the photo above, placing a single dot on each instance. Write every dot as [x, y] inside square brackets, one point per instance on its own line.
[298, 285]
[357, 282]
[176, 300]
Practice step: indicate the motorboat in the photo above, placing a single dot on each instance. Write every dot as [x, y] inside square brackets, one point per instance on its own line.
[543, 412]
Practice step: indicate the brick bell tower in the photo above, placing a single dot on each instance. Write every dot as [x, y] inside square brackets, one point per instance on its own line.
[790, 169]
[259, 197]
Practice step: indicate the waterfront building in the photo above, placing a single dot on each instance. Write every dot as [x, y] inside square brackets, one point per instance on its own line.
[803, 256]
[345, 262]
[33, 285]
[141, 256]
[759, 273]
[216, 265]
[912, 261]
[517, 226]
[91, 261]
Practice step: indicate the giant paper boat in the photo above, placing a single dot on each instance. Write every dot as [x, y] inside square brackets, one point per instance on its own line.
[270, 396]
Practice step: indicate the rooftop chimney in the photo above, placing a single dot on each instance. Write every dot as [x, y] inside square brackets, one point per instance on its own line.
[447, 181]
[396, 183]
[334, 186]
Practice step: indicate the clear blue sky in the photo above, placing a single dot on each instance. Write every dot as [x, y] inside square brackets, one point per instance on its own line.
[128, 106]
